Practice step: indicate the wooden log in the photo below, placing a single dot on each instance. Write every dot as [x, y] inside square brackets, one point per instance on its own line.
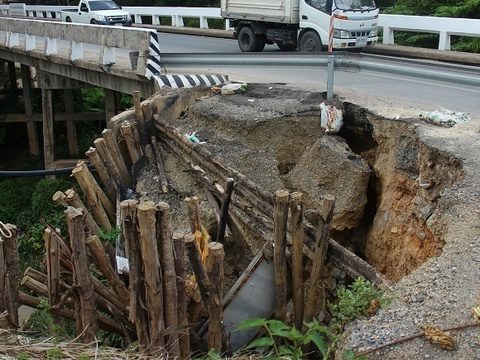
[73, 199]
[279, 258]
[108, 298]
[146, 215]
[137, 313]
[134, 149]
[117, 156]
[180, 271]
[85, 290]
[92, 197]
[227, 197]
[215, 271]
[193, 254]
[141, 123]
[35, 285]
[162, 174]
[27, 100]
[59, 198]
[71, 127]
[97, 162]
[52, 253]
[103, 322]
[167, 262]
[48, 138]
[316, 289]
[9, 273]
[106, 156]
[103, 262]
[298, 235]
[107, 204]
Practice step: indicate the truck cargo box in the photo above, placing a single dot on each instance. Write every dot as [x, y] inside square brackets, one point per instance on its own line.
[278, 11]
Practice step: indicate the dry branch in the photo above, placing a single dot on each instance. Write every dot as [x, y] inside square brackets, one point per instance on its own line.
[227, 197]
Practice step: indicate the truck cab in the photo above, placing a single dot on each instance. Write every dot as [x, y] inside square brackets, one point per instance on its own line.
[355, 24]
[101, 12]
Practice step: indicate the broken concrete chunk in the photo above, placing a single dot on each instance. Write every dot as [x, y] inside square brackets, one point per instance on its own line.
[330, 167]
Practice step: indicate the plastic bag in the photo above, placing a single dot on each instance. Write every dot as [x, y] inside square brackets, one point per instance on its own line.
[331, 118]
[234, 88]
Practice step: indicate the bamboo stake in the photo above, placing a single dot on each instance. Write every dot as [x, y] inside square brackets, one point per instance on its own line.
[279, 259]
[103, 262]
[134, 149]
[180, 266]
[117, 156]
[193, 254]
[146, 215]
[141, 123]
[110, 186]
[106, 156]
[165, 249]
[53, 272]
[227, 197]
[108, 205]
[73, 200]
[215, 271]
[296, 230]
[85, 290]
[316, 289]
[92, 197]
[137, 313]
[157, 152]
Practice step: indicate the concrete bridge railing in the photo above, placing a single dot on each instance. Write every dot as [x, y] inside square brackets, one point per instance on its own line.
[445, 27]
[127, 48]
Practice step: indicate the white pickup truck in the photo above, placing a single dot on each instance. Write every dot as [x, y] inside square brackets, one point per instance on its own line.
[97, 12]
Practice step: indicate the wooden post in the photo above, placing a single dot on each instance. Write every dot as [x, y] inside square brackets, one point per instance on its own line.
[146, 215]
[193, 254]
[316, 289]
[83, 282]
[93, 200]
[103, 262]
[165, 249]
[227, 197]
[297, 233]
[106, 156]
[117, 156]
[141, 123]
[48, 138]
[72, 199]
[215, 260]
[134, 149]
[71, 127]
[110, 106]
[97, 162]
[12, 75]
[180, 270]
[9, 274]
[27, 100]
[137, 312]
[157, 152]
[52, 251]
[279, 258]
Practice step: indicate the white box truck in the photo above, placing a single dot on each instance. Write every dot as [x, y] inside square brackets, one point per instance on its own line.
[302, 24]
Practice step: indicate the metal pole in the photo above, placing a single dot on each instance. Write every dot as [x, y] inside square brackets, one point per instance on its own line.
[330, 76]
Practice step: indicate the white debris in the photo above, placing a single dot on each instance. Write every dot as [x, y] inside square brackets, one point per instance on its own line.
[444, 117]
[331, 118]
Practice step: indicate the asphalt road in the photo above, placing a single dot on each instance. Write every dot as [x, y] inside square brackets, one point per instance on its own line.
[370, 87]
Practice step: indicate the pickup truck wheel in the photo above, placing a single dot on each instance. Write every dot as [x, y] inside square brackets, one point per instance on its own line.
[68, 19]
[249, 42]
[310, 42]
[93, 22]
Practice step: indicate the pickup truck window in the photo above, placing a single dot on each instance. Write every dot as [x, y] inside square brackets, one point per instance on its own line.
[103, 5]
[83, 7]
[319, 5]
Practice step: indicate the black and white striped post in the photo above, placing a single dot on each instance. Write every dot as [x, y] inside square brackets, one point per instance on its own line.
[331, 60]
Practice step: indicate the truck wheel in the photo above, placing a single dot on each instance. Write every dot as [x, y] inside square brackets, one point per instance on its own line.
[249, 42]
[68, 19]
[310, 41]
[93, 22]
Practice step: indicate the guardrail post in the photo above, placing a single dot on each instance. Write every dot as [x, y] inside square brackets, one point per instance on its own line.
[76, 51]
[51, 46]
[107, 55]
[203, 22]
[30, 42]
[177, 20]
[155, 20]
[444, 41]
[388, 36]
[330, 76]
[138, 19]
[13, 40]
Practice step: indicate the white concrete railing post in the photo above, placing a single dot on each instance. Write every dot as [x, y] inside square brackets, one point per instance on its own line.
[156, 20]
[388, 36]
[444, 41]
[138, 19]
[203, 22]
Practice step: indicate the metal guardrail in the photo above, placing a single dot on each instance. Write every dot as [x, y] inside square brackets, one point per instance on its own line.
[444, 26]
